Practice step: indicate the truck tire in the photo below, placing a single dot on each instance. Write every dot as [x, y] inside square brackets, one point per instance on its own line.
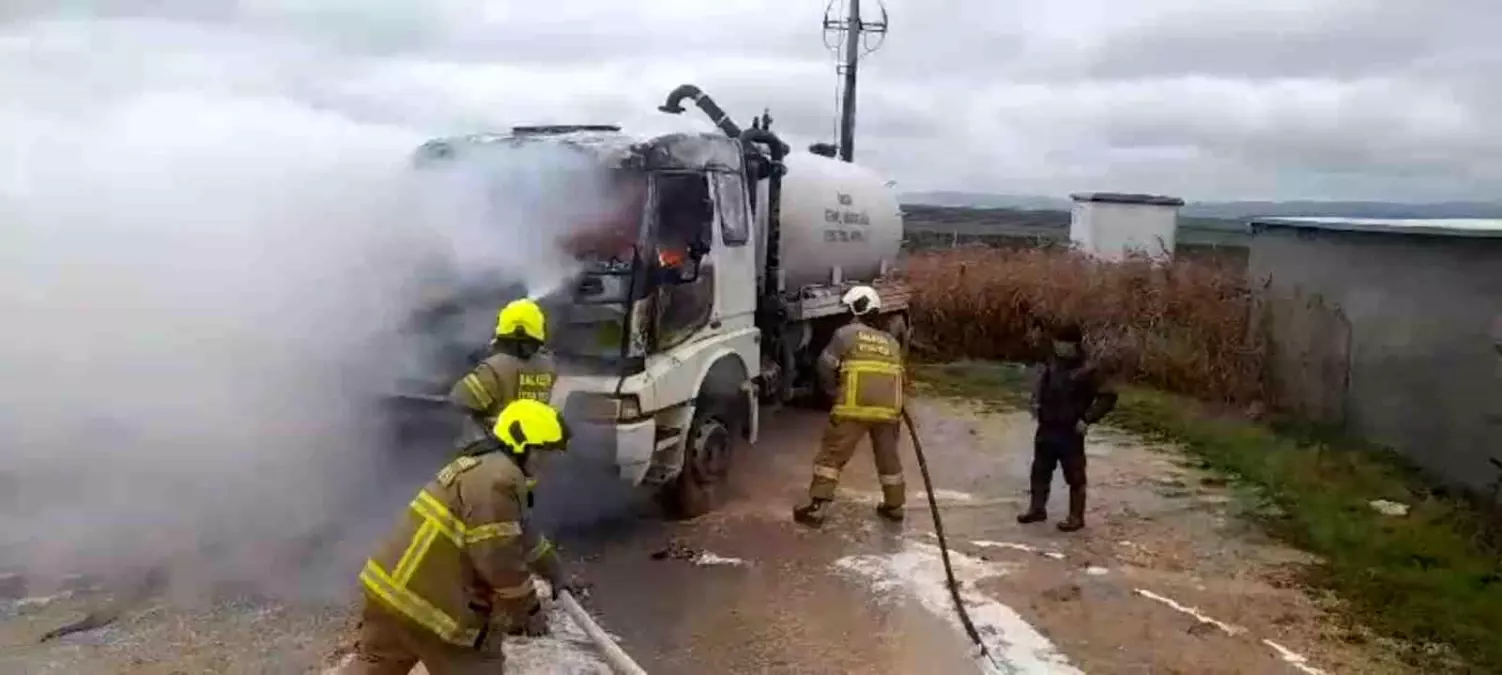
[700, 487]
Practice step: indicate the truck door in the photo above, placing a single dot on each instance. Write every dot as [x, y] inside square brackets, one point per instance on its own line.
[685, 283]
[735, 256]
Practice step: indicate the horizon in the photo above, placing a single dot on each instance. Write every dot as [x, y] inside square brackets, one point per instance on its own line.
[903, 195]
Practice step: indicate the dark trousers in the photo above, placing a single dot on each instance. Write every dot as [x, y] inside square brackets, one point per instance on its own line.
[1052, 449]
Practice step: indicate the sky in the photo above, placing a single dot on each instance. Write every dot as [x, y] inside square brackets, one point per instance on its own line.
[1234, 99]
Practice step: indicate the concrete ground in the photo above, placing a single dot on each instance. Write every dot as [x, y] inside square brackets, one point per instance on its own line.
[1165, 579]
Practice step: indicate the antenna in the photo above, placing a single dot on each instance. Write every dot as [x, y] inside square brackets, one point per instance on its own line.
[849, 51]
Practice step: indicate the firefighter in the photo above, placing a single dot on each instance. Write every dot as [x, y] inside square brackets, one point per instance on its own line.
[863, 367]
[1069, 395]
[517, 368]
[456, 573]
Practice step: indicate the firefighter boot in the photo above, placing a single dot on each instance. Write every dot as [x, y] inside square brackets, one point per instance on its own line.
[1076, 519]
[889, 513]
[812, 514]
[1037, 510]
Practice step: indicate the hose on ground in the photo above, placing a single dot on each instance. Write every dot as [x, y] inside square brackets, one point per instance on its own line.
[619, 661]
[933, 508]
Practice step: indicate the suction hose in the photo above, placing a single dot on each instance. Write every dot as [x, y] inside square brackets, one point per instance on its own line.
[933, 508]
[619, 661]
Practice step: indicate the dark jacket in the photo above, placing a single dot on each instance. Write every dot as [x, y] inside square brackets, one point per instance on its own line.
[1069, 392]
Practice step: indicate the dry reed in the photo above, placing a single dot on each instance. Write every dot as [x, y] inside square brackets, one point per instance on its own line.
[1181, 326]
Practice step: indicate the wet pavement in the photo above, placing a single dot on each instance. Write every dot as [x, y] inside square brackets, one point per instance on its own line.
[1166, 579]
[784, 608]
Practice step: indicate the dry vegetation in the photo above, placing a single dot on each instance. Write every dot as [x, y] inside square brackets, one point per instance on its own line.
[1181, 327]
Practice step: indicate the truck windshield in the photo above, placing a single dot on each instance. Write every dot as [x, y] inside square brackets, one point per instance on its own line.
[592, 333]
[605, 234]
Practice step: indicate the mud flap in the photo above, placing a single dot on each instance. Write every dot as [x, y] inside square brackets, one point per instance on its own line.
[753, 411]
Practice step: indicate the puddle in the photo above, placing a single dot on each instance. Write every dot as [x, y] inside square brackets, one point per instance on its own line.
[706, 559]
[1015, 646]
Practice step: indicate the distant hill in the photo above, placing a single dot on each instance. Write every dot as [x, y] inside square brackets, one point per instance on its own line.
[981, 200]
[1239, 210]
[950, 224]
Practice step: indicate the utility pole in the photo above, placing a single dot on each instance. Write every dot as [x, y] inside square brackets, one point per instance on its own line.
[849, 56]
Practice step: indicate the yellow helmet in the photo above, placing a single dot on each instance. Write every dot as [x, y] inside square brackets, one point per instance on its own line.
[525, 424]
[521, 318]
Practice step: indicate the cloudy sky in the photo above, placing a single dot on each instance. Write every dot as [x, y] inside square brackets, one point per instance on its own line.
[1336, 99]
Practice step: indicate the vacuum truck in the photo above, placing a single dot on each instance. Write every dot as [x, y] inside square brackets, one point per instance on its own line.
[708, 295]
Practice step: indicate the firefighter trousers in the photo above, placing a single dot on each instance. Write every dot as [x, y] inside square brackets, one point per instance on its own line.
[840, 440]
[392, 645]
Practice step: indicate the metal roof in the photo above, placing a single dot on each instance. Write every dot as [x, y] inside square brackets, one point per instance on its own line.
[1440, 227]
[1125, 198]
[698, 151]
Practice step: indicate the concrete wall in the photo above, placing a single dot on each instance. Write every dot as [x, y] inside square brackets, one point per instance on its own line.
[1109, 230]
[1424, 374]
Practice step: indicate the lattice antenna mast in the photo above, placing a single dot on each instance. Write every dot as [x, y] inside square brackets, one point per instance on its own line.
[848, 38]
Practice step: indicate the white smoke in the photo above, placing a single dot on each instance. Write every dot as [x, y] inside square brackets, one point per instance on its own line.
[209, 237]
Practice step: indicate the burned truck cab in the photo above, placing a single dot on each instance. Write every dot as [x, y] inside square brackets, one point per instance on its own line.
[662, 295]
[683, 313]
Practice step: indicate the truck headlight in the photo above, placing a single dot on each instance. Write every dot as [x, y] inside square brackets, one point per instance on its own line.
[628, 407]
[607, 407]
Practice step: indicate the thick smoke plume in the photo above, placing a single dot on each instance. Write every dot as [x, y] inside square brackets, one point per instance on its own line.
[209, 257]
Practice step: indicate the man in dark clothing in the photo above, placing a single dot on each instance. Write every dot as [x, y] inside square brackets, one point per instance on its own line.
[1070, 395]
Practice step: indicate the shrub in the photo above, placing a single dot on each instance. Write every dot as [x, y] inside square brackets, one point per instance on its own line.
[1182, 326]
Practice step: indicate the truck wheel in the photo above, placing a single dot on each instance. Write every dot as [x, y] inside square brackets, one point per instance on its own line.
[700, 486]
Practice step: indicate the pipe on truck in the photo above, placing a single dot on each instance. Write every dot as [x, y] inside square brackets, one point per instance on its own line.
[705, 103]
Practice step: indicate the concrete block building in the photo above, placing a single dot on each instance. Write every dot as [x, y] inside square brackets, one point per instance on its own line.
[1110, 225]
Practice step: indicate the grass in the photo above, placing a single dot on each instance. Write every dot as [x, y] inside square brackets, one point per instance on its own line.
[1431, 580]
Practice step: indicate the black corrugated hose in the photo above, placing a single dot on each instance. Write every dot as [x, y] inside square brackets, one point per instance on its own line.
[933, 508]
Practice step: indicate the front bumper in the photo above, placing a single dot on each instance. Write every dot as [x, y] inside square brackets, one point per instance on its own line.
[602, 439]
[627, 446]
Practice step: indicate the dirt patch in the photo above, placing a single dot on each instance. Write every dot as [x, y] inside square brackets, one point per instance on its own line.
[1167, 578]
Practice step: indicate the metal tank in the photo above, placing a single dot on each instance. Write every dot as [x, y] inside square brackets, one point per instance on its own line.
[834, 214]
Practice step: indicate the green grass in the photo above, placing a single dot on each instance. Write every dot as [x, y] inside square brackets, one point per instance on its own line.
[1431, 580]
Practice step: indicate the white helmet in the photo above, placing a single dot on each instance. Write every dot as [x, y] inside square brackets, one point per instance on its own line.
[861, 300]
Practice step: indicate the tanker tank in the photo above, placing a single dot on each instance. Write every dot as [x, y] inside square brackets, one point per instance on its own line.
[835, 214]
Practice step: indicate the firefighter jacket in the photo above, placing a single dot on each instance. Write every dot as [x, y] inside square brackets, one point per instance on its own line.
[498, 380]
[462, 552]
[864, 365]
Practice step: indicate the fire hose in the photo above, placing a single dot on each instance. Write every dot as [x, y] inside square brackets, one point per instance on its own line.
[619, 661]
[933, 508]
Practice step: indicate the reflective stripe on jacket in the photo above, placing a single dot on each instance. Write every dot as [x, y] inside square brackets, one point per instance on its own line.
[461, 551]
[498, 380]
[870, 373]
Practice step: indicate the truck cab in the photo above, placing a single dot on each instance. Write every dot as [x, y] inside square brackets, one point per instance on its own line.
[678, 322]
